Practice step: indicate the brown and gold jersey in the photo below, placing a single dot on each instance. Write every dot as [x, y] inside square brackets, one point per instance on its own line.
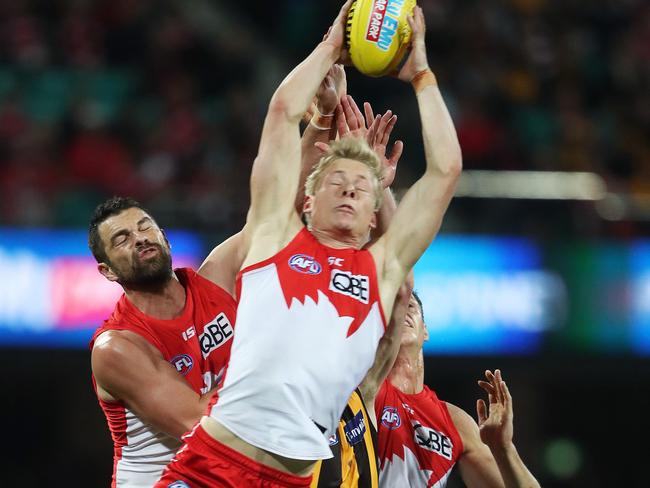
[354, 464]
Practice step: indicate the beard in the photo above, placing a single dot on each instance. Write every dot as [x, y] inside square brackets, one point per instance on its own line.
[154, 272]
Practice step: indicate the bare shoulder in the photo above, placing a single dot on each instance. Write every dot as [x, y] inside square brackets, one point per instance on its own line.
[270, 237]
[465, 425]
[116, 350]
[224, 261]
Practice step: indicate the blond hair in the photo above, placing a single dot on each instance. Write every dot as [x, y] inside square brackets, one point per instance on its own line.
[347, 148]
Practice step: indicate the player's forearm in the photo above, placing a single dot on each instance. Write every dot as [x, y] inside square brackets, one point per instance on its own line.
[296, 92]
[183, 419]
[441, 147]
[310, 155]
[388, 347]
[386, 213]
[387, 351]
[514, 472]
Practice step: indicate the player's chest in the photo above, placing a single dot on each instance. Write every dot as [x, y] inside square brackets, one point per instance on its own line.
[424, 431]
[201, 345]
[347, 281]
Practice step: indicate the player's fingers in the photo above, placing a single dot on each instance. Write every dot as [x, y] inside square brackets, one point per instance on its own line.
[481, 411]
[507, 397]
[367, 108]
[328, 82]
[396, 154]
[411, 20]
[419, 15]
[498, 380]
[357, 113]
[389, 128]
[372, 132]
[350, 119]
[341, 126]
[490, 376]
[382, 126]
[488, 387]
[343, 13]
[492, 398]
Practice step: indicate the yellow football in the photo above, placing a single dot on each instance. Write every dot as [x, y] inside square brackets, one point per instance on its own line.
[378, 34]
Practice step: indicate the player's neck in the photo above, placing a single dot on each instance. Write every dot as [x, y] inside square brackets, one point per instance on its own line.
[337, 239]
[407, 374]
[165, 302]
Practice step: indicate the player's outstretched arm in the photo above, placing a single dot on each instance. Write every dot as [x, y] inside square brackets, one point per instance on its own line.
[276, 170]
[419, 215]
[388, 348]
[128, 369]
[495, 425]
[490, 458]
[320, 127]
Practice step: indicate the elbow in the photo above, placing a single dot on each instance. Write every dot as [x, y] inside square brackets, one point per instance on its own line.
[454, 164]
[282, 107]
[456, 161]
[279, 106]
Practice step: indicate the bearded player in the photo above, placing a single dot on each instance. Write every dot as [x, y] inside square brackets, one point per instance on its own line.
[421, 438]
[311, 301]
[163, 349]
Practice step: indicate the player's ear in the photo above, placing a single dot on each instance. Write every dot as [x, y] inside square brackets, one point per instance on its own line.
[169, 245]
[308, 204]
[373, 221]
[106, 271]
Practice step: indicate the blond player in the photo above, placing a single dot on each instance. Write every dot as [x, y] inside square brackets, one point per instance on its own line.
[312, 302]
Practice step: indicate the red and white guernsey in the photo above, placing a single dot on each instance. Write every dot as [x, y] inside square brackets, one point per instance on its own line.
[197, 344]
[418, 441]
[308, 323]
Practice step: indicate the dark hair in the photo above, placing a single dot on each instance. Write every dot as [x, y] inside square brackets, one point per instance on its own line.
[110, 207]
[417, 299]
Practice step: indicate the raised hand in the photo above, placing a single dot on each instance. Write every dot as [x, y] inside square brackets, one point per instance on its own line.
[379, 143]
[350, 122]
[336, 33]
[331, 90]
[417, 60]
[495, 421]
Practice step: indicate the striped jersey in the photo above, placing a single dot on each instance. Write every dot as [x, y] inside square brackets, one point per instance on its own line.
[309, 320]
[197, 344]
[354, 464]
[418, 441]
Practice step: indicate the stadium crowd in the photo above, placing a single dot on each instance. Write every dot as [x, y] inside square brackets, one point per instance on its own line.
[117, 97]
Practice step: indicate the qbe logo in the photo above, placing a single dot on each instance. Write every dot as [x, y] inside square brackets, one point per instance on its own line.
[215, 334]
[183, 363]
[390, 418]
[354, 286]
[304, 264]
[432, 440]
